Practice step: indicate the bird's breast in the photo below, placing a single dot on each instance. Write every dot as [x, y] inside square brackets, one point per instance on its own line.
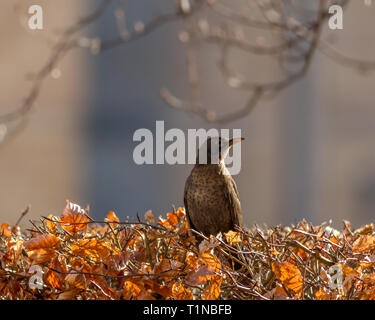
[206, 183]
[206, 198]
[211, 199]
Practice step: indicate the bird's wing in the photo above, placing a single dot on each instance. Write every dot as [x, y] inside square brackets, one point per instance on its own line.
[234, 205]
[191, 226]
[235, 188]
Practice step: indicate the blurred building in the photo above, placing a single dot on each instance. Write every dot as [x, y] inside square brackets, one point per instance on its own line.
[41, 166]
[308, 152]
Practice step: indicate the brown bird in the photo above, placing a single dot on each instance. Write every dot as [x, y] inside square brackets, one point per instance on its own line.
[211, 197]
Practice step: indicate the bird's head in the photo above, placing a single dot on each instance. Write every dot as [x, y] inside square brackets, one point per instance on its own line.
[217, 148]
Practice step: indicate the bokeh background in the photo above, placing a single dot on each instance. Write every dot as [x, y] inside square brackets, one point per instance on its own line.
[309, 151]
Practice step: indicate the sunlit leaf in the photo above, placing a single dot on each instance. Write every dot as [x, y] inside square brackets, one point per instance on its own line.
[322, 294]
[42, 241]
[212, 290]
[92, 249]
[179, 292]
[131, 290]
[364, 243]
[69, 294]
[5, 229]
[149, 217]
[111, 217]
[74, 218]
[76, 280]
[233, 237]
[51, 223]
[289, 275]
[53, 278]
[211, 261]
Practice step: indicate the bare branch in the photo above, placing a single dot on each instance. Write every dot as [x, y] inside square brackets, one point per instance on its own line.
[286, 31]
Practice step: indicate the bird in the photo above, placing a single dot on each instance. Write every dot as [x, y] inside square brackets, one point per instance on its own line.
[211, 199]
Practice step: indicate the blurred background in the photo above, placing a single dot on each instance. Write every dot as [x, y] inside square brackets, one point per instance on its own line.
[309, 149]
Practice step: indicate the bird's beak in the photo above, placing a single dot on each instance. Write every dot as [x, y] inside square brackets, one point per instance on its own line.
[233, 141]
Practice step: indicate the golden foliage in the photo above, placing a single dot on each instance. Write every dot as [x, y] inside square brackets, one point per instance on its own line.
[289, 275]
[179, 292]
[364, 243]
[74, 218]
[233, 237]
[86, 259]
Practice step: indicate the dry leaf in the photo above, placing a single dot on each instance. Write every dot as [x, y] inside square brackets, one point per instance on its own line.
[76, 280]
[179, 292]
[51, 223]
[53, 278]
[289, 275]
[92, 249]
[131, 290]
[74, 218]
[233, 237]
[202, 275]
[149, 217]
[69, 294]
[323, 294]
[212, 290]
[364, 243]
[111, 217]
[5, 229]
[211, 261]
[42, 241]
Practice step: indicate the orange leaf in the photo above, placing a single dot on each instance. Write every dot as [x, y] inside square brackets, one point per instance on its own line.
[203, 274]
[55, 279]
[207, 246]
[42, 248]
[367, 287]
[322, 294]
[51, 225]
[211, 261]
[77, 280]
[42, 242]
[350, 277]
[277, 293]
[364, 243]
[212, 291]
[69, 294]
[346, 270]
[74, 218]
[151, 286]
[172, 218]
[5, 229]
[167, 267]
[191, 259]
[149, 217]
[289, 275]
[233, 237]
[13, 250]
[179, 292]
[171, 222]
[131, 290]
[111, 217]
[92, 248]
[41, 256]
[107, 292]
[180, 213]
[334, 240]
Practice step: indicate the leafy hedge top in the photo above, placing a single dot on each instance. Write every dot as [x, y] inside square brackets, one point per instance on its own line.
[79, 258]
